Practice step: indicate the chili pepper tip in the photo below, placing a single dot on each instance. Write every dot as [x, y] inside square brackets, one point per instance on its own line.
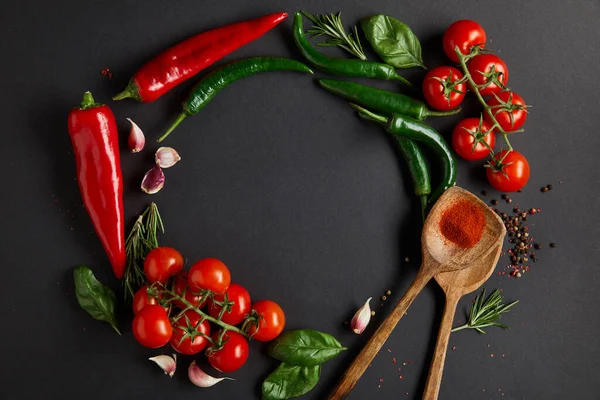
[174, 125]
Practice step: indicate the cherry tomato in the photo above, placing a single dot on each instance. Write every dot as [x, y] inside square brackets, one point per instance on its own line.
[239, 309]
[209, 274]
[181, 285]
[233, 354]
[161, 263]
[464, 34]
[488, 64]
[509, 109]
[469, 131]
[143, 299]
[439, 90]
[272, 322]
[151, 327]
[510, 174]
[184, 329]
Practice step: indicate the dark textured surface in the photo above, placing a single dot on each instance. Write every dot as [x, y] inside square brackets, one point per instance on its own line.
[306, 204]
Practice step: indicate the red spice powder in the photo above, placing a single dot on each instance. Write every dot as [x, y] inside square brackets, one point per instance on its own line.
[463, 223]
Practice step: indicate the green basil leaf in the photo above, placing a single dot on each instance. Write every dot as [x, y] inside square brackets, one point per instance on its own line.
[305, 347]
[94, 297]
[289, 381]
[393, 41]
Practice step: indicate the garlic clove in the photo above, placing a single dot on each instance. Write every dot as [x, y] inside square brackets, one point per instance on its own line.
[136, 140]
[167, 363]
[201, 378]
[166, 157]
[154, 180]
[361, 318]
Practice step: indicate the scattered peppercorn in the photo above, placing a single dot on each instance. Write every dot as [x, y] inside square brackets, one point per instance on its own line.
[388, 292]
[383, 298]
[372, 313]
[484, 193]
[504, 197]
[494, 202]
[544, 189]
[552, 245]
[537, 246]
[407, 259]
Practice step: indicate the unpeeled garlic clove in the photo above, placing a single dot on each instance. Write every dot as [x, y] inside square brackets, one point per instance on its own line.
[137, 140]
[166, 157]
[201, 378]
[167, 363]
[154, 180]
[361, 318]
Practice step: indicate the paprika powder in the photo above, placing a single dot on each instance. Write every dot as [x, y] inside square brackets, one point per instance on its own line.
[462, 223]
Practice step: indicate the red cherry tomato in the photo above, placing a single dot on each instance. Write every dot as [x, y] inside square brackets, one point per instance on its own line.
[143, 299]
[464, 34]
[233, 354]
[209, 274]
[486, 64]
[439, 90]
[509, 109]
[184, 329]
[181, 285]
[512, 174]
[151, 327]
[239, 309]
[466, 133]
[161, 263]
[272, 322]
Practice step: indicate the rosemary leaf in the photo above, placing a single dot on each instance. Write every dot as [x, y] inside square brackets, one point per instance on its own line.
[486, 312]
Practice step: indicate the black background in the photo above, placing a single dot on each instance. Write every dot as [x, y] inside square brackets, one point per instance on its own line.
[306, 204]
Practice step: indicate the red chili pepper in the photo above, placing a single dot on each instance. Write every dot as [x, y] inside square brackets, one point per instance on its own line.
[95, 139]
[184, 60]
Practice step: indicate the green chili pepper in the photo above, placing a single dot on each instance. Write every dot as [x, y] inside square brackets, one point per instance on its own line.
[210, 85]
[341, 66]
[381, 100]
[418, 168]
[399, 125]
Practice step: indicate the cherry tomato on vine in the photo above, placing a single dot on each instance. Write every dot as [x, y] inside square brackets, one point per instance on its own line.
[272, 322]
[143, 299]
[239, 309]
[439, 90]
[180, 285]
[471, 131]
[232, 355]
[187, 338]
[161, 263]
[488, 68]
[151, 327]
[464, 34]
[209, 274]
[509, 171]
[509, 109]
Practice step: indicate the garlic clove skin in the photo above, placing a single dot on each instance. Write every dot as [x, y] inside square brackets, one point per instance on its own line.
[153, 181]
[167, 363]
[361, 318]
[166, 157]
[201, 378]
[136, 140]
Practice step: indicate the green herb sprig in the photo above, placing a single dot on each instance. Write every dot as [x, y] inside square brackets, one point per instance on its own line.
[486, 312]
[331, 25]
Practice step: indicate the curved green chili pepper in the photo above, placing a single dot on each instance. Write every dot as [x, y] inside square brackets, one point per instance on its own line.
[211, 84]
[381, 100]
[399, 125]
[341, 66]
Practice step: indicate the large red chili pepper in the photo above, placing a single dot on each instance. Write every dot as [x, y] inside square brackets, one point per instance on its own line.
[95, 139]
[184, 60]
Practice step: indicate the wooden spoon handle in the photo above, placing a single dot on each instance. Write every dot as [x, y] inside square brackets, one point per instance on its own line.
[364, 358]
[436, 369]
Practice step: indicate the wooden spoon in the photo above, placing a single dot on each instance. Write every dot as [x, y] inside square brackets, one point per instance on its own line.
[455, 285]
[439, 255]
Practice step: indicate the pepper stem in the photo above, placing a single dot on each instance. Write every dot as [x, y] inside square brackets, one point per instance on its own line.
[174, 125]
[431, 113]
[88, 101]
[366, 114]
[404, 80]
[131, 91]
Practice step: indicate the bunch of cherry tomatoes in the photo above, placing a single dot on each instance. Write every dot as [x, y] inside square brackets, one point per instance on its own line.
[200, 309]
[445, 87]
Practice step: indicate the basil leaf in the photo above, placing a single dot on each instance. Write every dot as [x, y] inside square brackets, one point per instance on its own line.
[289, 381]
[94, 297]
[305, 347]
[393, 41]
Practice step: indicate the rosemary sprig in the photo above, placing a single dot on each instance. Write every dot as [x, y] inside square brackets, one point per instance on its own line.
[141, 239]
[486, 312]
[331, 25]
